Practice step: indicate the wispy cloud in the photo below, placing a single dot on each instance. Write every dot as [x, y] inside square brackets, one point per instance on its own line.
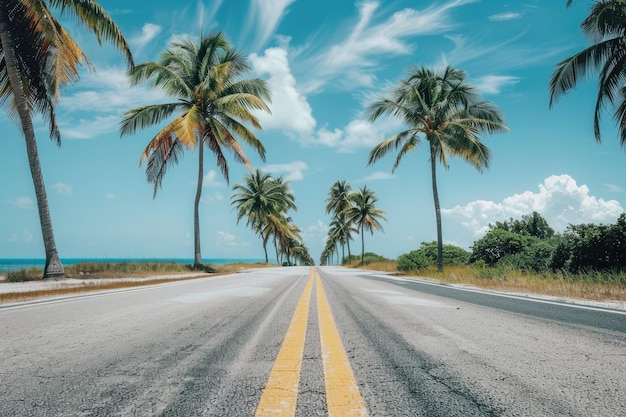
[614, 188]
[501, 17]
[376, 176]
[493, 84]
[211, 180]
[354, 59]
[149, 31]
[22, 202]
[62, 189]
[294, 171]
[26, 237]
[266, 15]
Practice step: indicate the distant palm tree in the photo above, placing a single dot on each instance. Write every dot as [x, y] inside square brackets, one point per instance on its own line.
[606, 28]
[446, 111]
[336, 203]
[212, 101]
[364, 214]
[40, 57]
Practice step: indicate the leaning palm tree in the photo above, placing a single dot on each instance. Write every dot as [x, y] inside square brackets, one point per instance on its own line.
[212, 104]
[606, 29]
[40, 57]
[364, 214]
[442, 108]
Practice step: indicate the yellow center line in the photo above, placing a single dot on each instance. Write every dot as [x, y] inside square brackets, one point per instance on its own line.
[281, 391]
[343, 397]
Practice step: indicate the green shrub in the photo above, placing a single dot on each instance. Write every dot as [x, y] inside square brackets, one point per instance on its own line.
[427, 255]
[413, 261]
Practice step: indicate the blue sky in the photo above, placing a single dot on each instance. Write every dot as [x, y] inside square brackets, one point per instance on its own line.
[324, 61]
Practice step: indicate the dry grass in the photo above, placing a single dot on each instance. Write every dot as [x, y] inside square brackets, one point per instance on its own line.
[517, 281]
[93, 286]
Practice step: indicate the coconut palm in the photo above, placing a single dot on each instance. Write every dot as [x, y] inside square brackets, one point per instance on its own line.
[606, 28]
[40, 57]
[336, 203]
[442, 108]
[262, 199]
[212, 103]
[364, 214]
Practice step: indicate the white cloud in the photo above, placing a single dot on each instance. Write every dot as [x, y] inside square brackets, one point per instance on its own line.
[22, 202]
[315, 233]
[26, 237]
[614, 188]
[294, 170]
[367, 40]
[110, 196]
[380, 175]
[226, 239]
[149, 31]
[62, 189]
[290, 109]
[559, 200]
[213, 198]
[493, 84]
[211, 180]
[268, 14]
[500, 17]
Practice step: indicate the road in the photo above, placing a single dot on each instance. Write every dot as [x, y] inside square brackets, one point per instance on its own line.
[309, 342]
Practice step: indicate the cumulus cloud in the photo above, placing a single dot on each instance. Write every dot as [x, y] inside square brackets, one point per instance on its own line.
[290, 110]
[22, 202]
[211, 180]
[294, 170]
[560, 200]
[493, 84]
[62, 189]
[500, 17]
[316, 232]
[226, 239]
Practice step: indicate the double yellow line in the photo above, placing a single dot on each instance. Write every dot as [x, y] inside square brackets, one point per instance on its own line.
[280, 395]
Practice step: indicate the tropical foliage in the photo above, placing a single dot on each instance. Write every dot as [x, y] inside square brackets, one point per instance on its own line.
[39, 58]
[212, 103]
[605, 27]
[441, 107]
[426, 255]
[265, 201]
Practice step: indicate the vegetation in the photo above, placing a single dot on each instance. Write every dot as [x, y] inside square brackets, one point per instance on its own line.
[357, 213]
[442, 108]
[606, 28]
[39, 58]
[266, 201]
[427, 254]
[212, 102]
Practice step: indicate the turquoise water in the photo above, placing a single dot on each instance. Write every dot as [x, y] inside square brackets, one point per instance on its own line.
[14, 264]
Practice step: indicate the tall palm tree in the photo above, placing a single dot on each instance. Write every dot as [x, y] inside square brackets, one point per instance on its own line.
[40, 57]
[336, 203]
[442, 108]
[212, 103]
[606, 28]
[364, 214]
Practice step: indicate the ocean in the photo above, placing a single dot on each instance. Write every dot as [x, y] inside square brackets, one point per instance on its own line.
[15, 264]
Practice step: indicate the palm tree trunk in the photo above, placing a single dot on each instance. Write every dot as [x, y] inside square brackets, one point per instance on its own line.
[265, 250]
[343, 253]
[433, 167]
[362, 246]
[53, 268]
[348, 243]
[197, 257]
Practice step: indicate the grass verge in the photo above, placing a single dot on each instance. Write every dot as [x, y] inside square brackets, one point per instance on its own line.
[90, 273]
[594, 287]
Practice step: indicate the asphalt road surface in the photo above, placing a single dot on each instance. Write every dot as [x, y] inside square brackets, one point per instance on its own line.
[309, 342]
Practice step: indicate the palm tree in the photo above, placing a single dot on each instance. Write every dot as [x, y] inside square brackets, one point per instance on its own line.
[442, 108]
[606, 28]
[40, 57]
[262, 200]
[212, 104]
[336, 203]
[364, 214]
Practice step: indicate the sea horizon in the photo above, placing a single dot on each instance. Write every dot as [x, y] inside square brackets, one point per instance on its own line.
[16, 264]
